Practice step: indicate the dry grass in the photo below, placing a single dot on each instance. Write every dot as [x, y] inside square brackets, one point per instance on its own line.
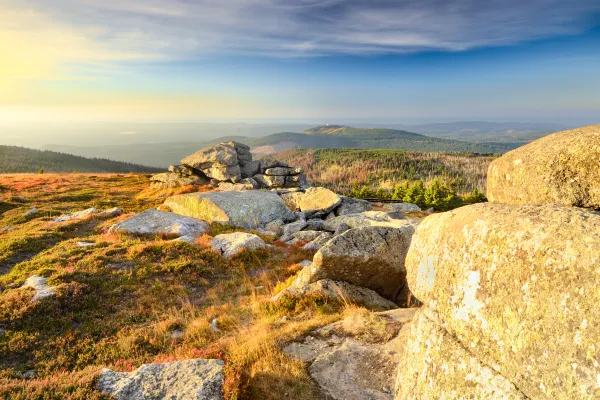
[119, 302]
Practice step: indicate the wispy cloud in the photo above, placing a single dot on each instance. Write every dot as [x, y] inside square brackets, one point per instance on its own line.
[184, 28]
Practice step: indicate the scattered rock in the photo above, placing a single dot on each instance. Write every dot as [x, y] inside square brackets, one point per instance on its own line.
[229, 244]
[76, 215]
[306, 236]
[110, 213]
[237, 187]
[341, 228]
[289, 229]
[315, 224]
[85, 244]
[319, 242]
[352, 206]
[561, 168]
[176, 334]
[371, 257]
[167, 180]
[42, 289]
[195, 379]
[518, 286]
[338, 290]
[250, 168]
[403, 207]
[31, 212]
[250, 209]
[155, 222]
[186, 239]
[5, 229]
[31, 374]
[318, 201]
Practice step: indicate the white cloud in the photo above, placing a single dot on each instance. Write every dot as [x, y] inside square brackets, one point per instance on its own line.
[185, 29]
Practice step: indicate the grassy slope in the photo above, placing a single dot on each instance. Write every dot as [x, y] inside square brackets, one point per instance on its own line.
[119, 301]
[15, 159]
[339, 169]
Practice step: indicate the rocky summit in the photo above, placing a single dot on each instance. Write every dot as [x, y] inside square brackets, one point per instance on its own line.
[230, 162]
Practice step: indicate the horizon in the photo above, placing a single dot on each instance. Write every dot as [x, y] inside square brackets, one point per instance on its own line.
[83, 64]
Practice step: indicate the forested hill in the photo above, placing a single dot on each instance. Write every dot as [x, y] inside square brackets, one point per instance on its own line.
[15, 159]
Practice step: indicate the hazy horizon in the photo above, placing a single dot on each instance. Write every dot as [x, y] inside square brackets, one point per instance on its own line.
[77, 65]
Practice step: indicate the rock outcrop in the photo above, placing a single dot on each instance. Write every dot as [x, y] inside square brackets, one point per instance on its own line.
[230, 162]
[371, 257]
[155, 222]
[517, 286]
[229, 244]
[195, 379]
[561, 168]
[392, 219]
[249, 209]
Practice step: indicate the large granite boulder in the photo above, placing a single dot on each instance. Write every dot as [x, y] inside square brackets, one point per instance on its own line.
[292, 200]
[434, 365]
[155, 222]
[392, 219]
[371, 257]
[561, 168]
[251, 209]
[318, 201]
[229, 244]
[518, 286]
[195, 379]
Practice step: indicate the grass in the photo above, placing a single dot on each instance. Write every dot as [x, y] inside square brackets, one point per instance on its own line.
[119, 302]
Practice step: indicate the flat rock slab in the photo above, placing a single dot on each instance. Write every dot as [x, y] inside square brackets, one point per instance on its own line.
[42, 289]
[392, 219]
[155, 222]
[229, 244]
[196, 379]
[318, 201]
[250, 210]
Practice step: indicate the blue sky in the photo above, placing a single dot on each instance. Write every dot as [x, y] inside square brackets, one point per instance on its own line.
[183, 60]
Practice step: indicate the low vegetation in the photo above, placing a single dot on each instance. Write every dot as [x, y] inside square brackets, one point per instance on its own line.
[421, 178]
[127, 301]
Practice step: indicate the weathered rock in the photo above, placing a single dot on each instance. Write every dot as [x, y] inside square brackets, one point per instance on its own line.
[365, 219]
[250, 209]
[338, 290]
[403, 207]
[297, 181]
[42, 289]
[275, 226]
[31, 212]
[306, 236]
[224, 173]
[155, 222]
[280, 171]
[195, 379]
[371, 257]
[269, 181]
[172, 180]
[561, 168]
[341, 228]
[352, 206]
[318, 201]
[315, 224]
[76, 215]
[433, 365]
[270, 163]
[182, 170]
[250, 183]
[234, 187]
[85, 244]
[289, 229]
[292, 200]
[223, 154]
[250, 168]
[243, 151]
[319, 242]
[229, 244]
[110, 213]
[518, 285]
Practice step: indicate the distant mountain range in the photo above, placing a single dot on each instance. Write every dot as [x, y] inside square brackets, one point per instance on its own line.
[15, 159]
[326, 136]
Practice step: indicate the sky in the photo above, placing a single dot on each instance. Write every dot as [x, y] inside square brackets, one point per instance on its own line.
[74, 61]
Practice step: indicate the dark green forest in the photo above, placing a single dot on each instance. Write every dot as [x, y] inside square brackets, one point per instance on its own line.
[15, 159]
